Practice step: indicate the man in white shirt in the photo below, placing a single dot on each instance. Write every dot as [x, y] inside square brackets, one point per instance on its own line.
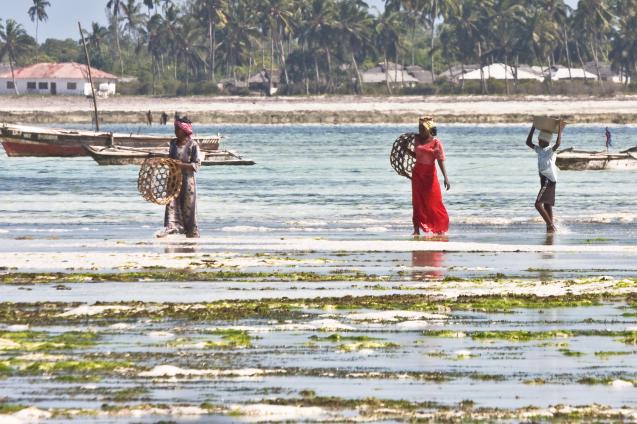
[548, 173]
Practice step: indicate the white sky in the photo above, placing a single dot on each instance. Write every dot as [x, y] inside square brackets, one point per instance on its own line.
[64, 15]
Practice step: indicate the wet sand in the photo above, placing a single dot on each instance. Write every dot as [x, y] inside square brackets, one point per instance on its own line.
[301, 253]
[321, 109]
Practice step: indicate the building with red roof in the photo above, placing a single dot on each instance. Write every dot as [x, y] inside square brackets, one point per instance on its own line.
[68, 78]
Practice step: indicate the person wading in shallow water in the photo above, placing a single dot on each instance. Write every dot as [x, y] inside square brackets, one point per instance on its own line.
[429, 213]
[548, 173]
[181, 213]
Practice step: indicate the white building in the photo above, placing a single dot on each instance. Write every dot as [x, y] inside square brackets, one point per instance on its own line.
[500, 72]
[606, 72]
[57, 78]
[563, 73]
[395, 74]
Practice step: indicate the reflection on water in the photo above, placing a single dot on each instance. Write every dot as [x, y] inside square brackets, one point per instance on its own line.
[180, 249]
[433, 261]
[545, 273]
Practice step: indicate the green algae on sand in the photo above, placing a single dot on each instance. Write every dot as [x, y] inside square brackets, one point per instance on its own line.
[230, 338]
[182, 275]
[34, 341]
[283, 308]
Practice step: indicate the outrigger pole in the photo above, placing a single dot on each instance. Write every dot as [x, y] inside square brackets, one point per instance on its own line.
[90, 77]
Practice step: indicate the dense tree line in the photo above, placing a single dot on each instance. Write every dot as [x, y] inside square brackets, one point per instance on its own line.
[322, 46]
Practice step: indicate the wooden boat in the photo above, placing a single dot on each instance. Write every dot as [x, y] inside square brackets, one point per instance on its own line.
[21, 140]
[124, 155]
[579, 160]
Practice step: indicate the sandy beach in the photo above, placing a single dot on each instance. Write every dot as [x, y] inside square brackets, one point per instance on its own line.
[322, 109]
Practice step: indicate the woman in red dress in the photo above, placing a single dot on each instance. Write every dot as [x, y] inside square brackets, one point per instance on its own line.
[430, 214]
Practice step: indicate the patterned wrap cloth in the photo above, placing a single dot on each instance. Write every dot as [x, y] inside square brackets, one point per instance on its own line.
[427, 122]
[181, 214]
[185, 126]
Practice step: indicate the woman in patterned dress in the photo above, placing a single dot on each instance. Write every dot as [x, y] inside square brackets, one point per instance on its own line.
[181, 213]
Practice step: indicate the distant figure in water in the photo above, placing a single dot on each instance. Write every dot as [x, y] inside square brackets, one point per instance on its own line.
[609, 139]
[429, 213]
[181, 213]
[548, 173]
[164, 118]
[149, 118]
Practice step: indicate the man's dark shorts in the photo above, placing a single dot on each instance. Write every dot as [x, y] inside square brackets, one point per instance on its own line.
[547, 191]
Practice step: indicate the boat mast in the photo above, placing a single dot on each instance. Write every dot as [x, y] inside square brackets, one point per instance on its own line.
[90, 77]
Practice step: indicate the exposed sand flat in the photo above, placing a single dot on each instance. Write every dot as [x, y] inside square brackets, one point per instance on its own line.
[321, 109]
[173, 371]
[79, 260]
[217, 253]
[331, 321]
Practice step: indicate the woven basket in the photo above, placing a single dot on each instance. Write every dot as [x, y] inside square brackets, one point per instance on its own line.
[159, 180]
[400, 158]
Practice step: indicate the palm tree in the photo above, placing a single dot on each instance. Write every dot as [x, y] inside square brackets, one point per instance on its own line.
[190, 46]
[150, 4]
[556, 12]
[352, 26]
[156, 43]
[15, 44]
[116, 7]
[214, 13]
[440, 8]
[238, 39]
[134, 17]
[624, 42]
[278, 21]
[171, 32]
[566, 31]
[507, 17]
[593, 19]
[97, 35]
[468, 26]
[318, 30]
[414, 13]
[37, 13]
[387, 37]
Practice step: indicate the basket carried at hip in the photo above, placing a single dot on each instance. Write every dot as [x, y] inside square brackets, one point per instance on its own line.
[159, 180]
[402, 156]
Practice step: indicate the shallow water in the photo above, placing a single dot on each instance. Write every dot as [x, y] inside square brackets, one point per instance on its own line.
[330, 181]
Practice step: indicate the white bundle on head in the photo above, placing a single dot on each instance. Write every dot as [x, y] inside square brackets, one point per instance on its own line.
[546, 136]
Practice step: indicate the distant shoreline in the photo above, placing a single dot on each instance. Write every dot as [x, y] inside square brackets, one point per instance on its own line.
[320, 109]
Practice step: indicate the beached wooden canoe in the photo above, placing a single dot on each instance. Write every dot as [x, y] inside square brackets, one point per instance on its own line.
[124, 155]
[21, 140]
[579, 160]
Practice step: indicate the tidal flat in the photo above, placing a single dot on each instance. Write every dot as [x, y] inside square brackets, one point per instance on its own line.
[320, 335]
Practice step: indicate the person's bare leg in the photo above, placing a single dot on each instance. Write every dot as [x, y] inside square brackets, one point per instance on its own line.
[549, 212]
[545, 216]
[416, 228]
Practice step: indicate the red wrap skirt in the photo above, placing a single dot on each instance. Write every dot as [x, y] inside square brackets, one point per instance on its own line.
[429, 212]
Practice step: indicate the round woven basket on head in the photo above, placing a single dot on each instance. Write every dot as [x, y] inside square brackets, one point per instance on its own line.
[400, 158]
[159, 180]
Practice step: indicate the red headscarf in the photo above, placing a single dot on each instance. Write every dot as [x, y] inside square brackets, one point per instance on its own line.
[185, 126]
